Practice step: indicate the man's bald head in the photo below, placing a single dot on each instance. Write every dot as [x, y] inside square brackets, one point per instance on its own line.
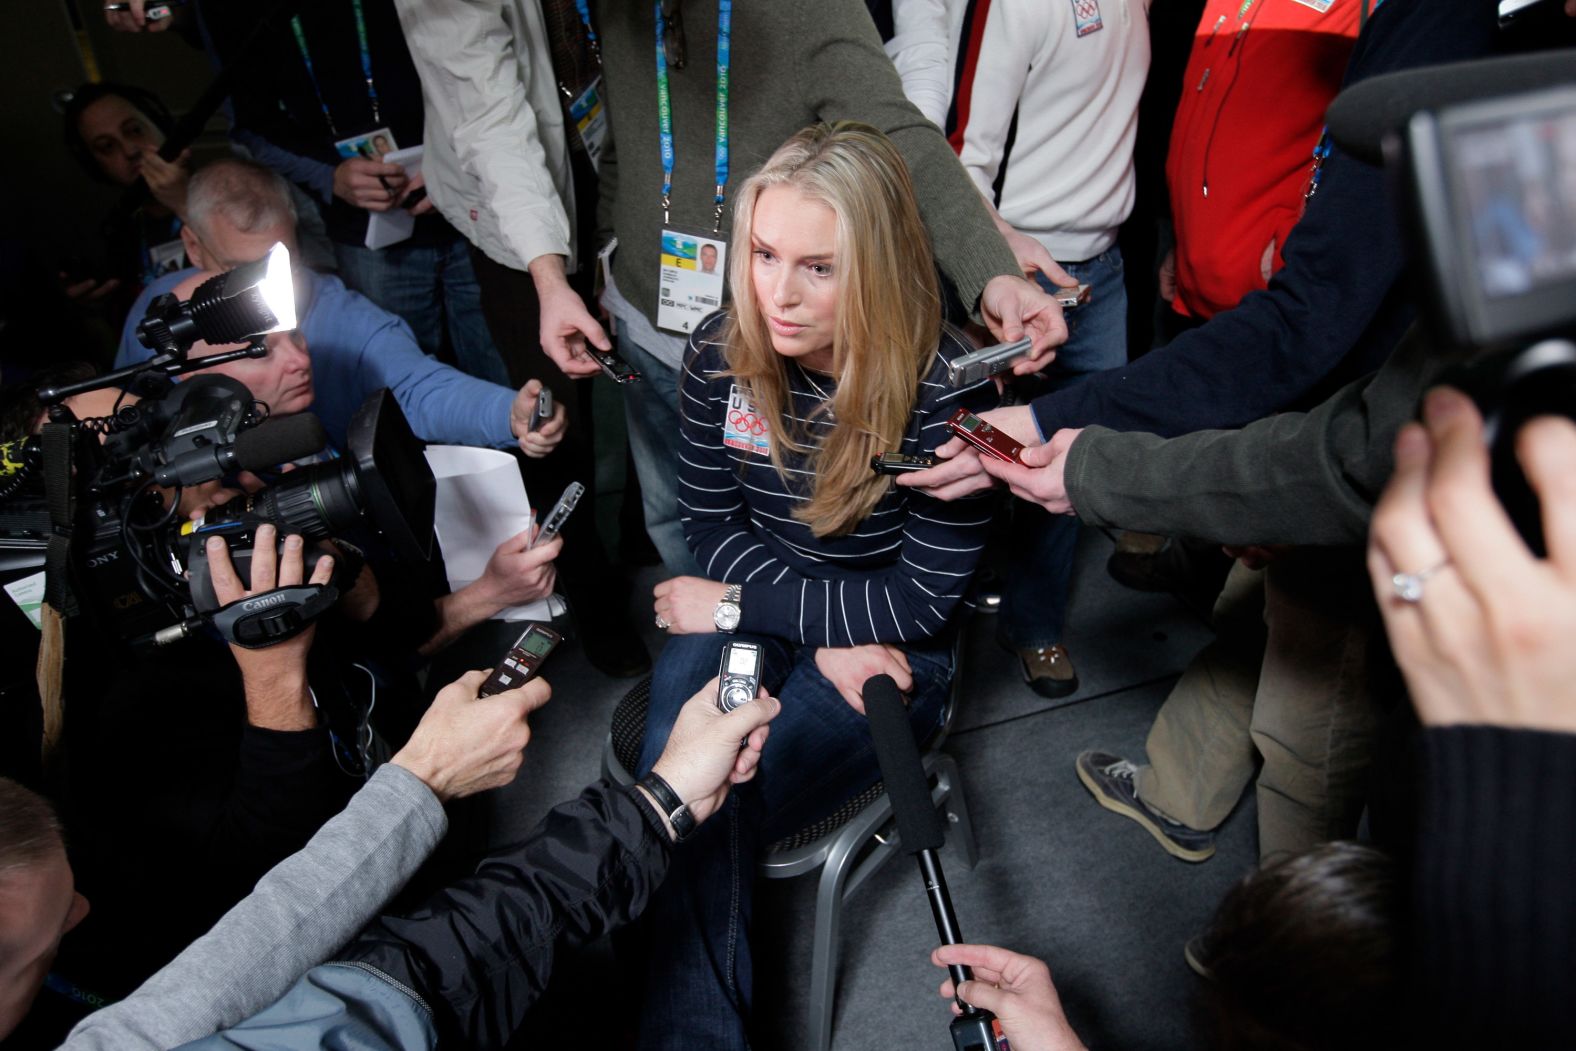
[282, 380]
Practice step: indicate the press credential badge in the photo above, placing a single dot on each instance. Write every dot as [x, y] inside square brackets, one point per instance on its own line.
[689, 281]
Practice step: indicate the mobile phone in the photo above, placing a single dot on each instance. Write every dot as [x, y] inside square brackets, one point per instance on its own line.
[524, 659]
[543, 411]
[739, 676]
[1076, 296]
[985, 438]
[555, 518]
[901, 463]
[976, 365]
[616, 368]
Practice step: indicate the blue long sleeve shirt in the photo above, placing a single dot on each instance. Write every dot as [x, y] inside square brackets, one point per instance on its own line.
[1336, 308]
[357, 348]
[898, 577]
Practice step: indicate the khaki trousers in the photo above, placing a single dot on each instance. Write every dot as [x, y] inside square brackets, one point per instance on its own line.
[1290, 680]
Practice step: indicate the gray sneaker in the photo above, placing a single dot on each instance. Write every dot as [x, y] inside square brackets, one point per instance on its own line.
[1110, 779]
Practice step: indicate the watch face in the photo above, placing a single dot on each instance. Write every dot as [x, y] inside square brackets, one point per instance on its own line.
[726, 616]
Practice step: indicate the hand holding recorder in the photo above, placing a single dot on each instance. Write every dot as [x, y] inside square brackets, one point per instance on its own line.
[702, 758]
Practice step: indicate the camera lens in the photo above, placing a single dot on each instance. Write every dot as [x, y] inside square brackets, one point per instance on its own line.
[318, 501]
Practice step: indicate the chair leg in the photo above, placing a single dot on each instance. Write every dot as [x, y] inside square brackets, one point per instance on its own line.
[957, 810]
[823, 952]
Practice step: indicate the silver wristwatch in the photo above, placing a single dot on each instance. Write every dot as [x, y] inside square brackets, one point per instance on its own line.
[726, 615]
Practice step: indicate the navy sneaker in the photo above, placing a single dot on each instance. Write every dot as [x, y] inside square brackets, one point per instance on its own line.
[1111, 780]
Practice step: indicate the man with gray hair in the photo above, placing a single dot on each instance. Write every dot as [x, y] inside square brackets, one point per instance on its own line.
[237, 210]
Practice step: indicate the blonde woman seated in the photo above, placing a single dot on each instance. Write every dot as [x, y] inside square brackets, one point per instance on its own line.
[833, 351]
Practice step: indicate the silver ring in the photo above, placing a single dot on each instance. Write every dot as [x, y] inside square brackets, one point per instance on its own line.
[1409, 586]
[662, 624]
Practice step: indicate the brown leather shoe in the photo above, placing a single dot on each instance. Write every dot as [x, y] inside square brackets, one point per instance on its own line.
[1048, 670]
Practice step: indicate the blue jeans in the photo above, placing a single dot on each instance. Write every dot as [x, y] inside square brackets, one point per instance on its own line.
[698, 965]
[429, 287]
[1034, 592]
[652, 414]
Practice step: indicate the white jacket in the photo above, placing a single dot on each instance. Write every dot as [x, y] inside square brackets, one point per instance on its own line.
[497, 159]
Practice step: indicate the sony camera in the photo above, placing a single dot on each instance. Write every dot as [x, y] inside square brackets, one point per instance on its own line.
[96, 501]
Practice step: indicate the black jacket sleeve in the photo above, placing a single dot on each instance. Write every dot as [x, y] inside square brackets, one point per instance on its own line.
[1494, 913]
[480, 951]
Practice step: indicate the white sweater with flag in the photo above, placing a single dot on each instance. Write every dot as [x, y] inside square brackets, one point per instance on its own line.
[1073, 71]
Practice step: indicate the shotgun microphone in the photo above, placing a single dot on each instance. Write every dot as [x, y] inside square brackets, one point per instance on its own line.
[921, 833]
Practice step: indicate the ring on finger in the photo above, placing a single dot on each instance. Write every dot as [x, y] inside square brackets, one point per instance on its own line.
[1409, 586]
[662, 623]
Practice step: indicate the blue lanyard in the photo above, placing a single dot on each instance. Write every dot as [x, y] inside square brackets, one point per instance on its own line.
[585, 19]
[366, 66]
[665, 111]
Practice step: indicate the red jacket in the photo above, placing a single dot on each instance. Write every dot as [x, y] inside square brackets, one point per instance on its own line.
[1252, 109]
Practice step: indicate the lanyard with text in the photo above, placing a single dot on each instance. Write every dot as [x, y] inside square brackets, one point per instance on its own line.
[665, 110]
[366, 67]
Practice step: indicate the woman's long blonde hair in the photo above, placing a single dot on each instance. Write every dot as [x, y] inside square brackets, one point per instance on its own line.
[888, 314]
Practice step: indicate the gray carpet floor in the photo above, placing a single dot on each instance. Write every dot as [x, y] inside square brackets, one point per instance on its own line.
[1086, 890]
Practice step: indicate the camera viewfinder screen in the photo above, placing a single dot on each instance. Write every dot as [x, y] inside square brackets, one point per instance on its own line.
[741, 661]
[1517, 182]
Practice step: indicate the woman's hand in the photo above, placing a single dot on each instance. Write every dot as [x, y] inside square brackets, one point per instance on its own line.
[1488, 641]
[848, 667]
[687, 604]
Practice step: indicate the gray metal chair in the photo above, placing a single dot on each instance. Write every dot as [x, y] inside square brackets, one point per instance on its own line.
[849, 845]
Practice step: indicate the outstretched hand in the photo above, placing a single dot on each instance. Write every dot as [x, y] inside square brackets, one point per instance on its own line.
[1042, 477]
[1013, 307]
[467, 744]
[1017, 989]
[703, 758]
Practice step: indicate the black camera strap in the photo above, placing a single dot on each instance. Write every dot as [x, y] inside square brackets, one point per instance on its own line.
[270, 617]
[60, 442]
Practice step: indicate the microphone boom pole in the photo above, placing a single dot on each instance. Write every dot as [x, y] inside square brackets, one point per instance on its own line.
[921, 834]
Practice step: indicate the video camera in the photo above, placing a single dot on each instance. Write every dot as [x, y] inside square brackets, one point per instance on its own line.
[112, 543]
[1483, 155]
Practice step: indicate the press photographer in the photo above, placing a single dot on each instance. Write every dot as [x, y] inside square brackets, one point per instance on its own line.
[190, 769]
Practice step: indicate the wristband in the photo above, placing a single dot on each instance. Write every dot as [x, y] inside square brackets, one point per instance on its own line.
[668, 801]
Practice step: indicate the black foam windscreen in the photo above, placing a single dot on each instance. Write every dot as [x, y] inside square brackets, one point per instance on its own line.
[1363, 114]
[901, 770]
[277, 441]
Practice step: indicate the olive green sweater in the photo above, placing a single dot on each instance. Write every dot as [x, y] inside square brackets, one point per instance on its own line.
[794, 62]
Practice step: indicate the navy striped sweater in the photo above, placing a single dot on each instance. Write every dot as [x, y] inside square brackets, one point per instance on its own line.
[898, 577]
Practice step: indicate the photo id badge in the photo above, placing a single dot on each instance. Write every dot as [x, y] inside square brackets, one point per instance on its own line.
[372, 145]
[167, 257]
[591, 121]
[689, 285]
